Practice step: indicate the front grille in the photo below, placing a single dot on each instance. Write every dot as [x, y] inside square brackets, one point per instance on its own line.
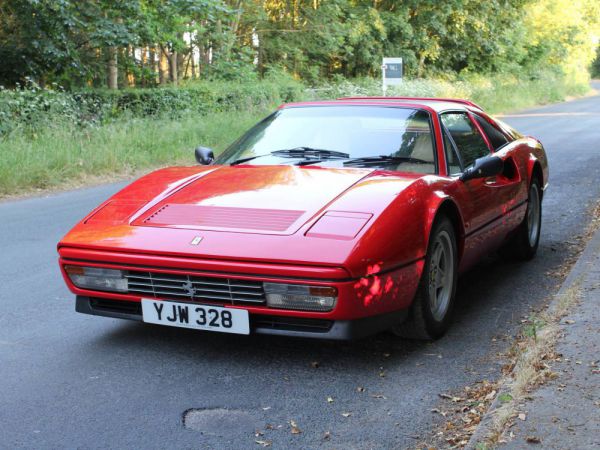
[221, 290]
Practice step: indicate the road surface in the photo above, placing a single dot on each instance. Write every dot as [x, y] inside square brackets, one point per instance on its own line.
[70, 380]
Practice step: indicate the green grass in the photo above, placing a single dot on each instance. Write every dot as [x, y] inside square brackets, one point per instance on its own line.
[63, 154]
[66, 155]
[496, 94]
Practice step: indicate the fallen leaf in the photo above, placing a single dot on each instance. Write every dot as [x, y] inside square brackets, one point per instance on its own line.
[435, 410]
[346, 414]
[264, 443]
[450, 397]
[533, 439]
[522, 416]
[294, 426]
[491, 395]
[379, 396]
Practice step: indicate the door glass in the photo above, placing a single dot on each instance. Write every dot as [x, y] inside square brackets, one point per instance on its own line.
[469, 142]
[497, 139]
[452, 158]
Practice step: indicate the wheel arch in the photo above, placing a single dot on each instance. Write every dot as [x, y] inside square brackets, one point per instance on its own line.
[448, 208]
[536, 172]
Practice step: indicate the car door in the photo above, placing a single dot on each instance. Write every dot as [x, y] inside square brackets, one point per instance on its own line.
[481, 199]
[511, 189]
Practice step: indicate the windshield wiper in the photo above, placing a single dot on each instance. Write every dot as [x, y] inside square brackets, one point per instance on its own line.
[306, 153]
[310, 153]
[384, 158]
[250, 158]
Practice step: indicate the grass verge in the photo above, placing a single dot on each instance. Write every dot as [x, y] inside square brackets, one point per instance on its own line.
[66, 155]
[531, 356]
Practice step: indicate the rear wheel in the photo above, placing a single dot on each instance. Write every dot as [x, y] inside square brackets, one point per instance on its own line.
[432, 307]
[525, 243]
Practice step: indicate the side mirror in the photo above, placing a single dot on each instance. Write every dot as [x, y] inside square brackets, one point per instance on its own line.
[488, 166]
[204, 155]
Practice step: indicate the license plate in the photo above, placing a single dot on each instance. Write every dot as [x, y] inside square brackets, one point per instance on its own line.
[198, 317]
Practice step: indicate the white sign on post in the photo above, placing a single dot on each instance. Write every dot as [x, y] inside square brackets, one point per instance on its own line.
[391, 71]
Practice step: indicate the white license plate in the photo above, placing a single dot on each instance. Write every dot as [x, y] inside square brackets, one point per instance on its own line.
[198, 317]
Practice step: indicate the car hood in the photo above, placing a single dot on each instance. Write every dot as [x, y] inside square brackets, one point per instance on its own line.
[252, 199]
[272, 214]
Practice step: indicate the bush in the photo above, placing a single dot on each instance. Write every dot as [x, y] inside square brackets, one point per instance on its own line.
[495, 93]
[33, 107]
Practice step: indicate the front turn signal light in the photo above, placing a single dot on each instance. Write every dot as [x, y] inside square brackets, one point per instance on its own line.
[97, 278]
[300, 297]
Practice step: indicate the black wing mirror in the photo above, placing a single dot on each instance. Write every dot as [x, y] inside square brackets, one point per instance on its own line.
[488, 166]
[204, 155]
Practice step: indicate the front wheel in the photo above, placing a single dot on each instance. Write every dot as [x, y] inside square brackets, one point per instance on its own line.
[430, 313]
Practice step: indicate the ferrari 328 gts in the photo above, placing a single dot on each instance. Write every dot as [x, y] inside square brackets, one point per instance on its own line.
[333, 219]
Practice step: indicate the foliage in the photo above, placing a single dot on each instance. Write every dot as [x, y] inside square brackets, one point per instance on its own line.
[563, 34]
[595, 68]
[148, 42]
[495, 93]
[30, 107]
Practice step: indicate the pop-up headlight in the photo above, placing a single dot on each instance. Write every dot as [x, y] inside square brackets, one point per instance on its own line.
[300, 297]
[97, 278]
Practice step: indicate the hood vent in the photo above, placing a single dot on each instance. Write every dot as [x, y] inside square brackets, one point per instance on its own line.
[198, 216]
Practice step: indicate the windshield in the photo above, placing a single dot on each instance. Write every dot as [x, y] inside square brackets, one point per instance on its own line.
[338, 136]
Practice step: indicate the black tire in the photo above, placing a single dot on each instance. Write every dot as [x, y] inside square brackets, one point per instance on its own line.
[524, 244]
[427, 320]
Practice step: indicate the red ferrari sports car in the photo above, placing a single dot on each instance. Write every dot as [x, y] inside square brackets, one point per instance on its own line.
[333, 219]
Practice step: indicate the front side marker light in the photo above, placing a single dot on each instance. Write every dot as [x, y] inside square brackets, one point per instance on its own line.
[97, 278]
[300, 297]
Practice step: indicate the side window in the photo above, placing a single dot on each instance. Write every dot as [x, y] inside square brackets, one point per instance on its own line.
[417, 143]
[497, 139]
[469, 142]
[454, 166]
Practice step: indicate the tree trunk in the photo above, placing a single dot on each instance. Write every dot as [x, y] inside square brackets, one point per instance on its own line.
[180, 59]
[163, 66]
[173, 68]
[112, 73]
[130, 53]
[193, 63]
[152, 64]
[421, 66]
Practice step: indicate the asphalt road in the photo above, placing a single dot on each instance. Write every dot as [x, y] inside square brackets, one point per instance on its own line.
[76, 381]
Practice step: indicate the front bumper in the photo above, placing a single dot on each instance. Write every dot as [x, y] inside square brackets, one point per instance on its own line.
[263, 323]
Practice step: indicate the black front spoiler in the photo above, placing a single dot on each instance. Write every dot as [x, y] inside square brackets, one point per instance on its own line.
[263, 324]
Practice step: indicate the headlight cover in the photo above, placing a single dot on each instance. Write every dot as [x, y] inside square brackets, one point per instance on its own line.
[300, 297]
[97, 278]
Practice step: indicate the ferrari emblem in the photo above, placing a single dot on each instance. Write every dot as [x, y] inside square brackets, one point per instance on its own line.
[189, 288]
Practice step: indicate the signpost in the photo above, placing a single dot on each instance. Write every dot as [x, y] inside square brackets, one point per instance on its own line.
[391, 71]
